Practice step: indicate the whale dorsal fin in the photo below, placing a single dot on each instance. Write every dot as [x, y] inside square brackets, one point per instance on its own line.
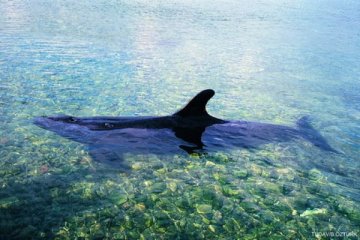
[197, 106]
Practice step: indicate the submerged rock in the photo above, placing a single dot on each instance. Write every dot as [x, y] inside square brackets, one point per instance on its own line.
[315, 174]
[203, 208]
[158, 187]
[243, 173]
[137, 166]
[315, 211]
[172, 186]
[7, 202]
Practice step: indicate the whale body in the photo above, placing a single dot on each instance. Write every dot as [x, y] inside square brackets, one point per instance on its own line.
[191, 130]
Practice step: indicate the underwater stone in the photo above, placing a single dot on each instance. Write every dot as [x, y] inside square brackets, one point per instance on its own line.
[287, 188]
[212, 228]
[256, 170]
[350, 209]
[205, 220]
[313, 212]
[203, 208]
[243, 173]
[313, 188]
[136, 166]
[249, 206]
[220, 168]
[217, 216]
[271, 187]
[209, 164]
[182, 222]
[286, 173]
[118, 198]
[269, 200]
[148, 183]
[222, 158]
[227, 206]
[233, 191]
[158, 187]
[172, 186]
[232, 225]
[154, 197]
[315, 174]
[7, 202]
[222, 179]
[162, 219]
[161, 171]
[177, 174]
[157, 165]
[140, 206]
[165, 204]
[267, 217]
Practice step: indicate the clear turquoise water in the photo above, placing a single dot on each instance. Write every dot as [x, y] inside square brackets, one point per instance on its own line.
[268, 61]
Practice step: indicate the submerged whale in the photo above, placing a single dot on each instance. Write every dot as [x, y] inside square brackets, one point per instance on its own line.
[191, 129]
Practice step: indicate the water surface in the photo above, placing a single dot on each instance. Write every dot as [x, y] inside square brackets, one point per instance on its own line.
[268, 61]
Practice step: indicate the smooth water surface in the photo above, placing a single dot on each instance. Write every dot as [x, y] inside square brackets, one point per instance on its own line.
[268, 61]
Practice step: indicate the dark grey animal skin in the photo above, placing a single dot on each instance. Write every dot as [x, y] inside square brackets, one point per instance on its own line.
[191, 129]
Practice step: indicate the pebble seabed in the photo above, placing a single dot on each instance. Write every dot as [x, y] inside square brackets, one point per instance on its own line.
[212, 196]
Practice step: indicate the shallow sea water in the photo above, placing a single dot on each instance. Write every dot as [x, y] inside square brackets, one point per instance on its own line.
[268, 61]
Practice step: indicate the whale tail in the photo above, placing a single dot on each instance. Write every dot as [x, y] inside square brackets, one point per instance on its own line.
[312, 135]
